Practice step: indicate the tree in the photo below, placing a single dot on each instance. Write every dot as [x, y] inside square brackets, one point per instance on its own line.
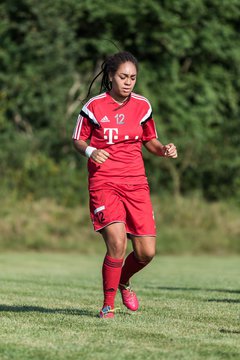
[189, 69]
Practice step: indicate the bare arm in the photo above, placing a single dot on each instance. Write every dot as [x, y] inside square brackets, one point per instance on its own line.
[155, 147]
[99, 156]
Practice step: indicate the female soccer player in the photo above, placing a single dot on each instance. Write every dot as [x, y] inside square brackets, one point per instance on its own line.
[117, 123]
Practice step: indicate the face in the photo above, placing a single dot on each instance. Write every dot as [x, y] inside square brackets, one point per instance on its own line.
[123, 81]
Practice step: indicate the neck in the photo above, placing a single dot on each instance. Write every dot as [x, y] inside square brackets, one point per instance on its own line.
[119, 99]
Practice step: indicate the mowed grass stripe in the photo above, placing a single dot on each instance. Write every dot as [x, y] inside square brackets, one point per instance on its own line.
[49, 306]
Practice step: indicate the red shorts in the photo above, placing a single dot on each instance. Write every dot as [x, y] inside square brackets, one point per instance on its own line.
[130, 204]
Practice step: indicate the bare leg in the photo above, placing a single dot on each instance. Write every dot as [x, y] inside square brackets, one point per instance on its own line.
[144, 247]
[115, 239]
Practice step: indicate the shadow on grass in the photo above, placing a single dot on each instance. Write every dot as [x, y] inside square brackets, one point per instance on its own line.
[172, 288]
[230, 301]
[229, 291]
[227, 331]
[26, 308]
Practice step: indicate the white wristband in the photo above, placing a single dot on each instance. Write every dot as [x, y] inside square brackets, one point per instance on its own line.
[89, 150]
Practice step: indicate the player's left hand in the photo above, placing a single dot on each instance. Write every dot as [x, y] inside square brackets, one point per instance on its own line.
[170, 151]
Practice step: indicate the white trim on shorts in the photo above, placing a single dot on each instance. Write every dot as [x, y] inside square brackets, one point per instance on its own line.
[112, 222]
[127, 233]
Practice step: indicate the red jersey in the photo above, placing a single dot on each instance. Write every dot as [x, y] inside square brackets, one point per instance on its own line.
[120, 130]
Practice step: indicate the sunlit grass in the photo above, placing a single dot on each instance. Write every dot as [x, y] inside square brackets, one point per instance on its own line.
[49, 306]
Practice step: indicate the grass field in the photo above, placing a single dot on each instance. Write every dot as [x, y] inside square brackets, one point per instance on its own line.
[49, 306]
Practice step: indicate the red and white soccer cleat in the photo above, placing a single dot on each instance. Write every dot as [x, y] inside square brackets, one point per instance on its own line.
[107, 312]
[129, 298]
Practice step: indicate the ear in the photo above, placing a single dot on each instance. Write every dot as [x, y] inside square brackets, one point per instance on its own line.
[110, 77]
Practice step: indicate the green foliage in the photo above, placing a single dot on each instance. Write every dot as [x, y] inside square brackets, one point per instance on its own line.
[189, 69]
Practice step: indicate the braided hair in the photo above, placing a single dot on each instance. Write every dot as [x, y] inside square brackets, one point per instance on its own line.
[110, 66]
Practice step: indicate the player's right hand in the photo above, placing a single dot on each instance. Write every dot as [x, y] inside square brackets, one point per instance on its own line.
[99, 156]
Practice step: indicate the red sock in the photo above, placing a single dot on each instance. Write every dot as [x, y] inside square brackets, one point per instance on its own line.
[131, 267]
[111, 272]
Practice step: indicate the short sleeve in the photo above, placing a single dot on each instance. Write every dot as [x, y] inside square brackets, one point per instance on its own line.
[149, 130]
[83, 129]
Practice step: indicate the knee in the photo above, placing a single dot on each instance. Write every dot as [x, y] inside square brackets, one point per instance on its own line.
[145, 257]
[115, 239]
[117, 248]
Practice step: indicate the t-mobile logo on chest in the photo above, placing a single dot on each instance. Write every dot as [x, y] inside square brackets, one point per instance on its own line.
[111, 134]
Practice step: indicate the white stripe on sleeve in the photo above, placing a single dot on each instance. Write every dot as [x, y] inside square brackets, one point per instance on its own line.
[78, 127]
